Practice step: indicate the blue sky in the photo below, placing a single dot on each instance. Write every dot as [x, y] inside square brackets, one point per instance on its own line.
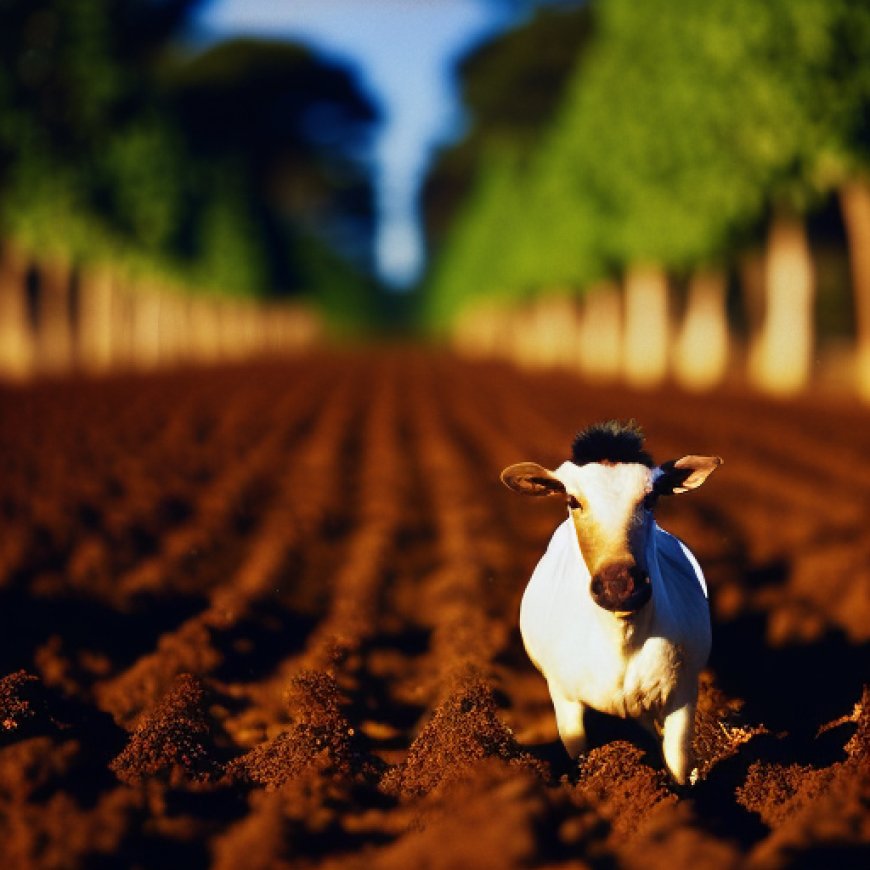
[404, 51]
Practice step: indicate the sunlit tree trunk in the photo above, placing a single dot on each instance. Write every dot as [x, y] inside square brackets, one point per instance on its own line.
[550, 333]
[205, 324]
[645, 348]
[125, 325]
[146, 326]
[524, 340]
[54, 336]
[283, 332]
[475, 330]
[177, 332]
[701, 352]
[752, 292]
[300, 328]
[16, 333]
[781, 359]
[96, 322]
[855, 204]
[599, 346]
[173, 328]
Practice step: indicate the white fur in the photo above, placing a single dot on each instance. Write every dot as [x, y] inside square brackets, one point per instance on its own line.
[645, 666]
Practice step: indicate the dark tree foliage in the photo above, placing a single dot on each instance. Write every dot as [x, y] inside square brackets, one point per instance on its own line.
[512, 87]
[72, 70]
[88, 159]
[219, 170]
[295, 129]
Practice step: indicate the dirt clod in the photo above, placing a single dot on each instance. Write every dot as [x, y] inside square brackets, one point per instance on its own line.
[464, 729]
[172, 740]
[320, 734]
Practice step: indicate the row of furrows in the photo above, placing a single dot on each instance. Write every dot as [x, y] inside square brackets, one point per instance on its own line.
[466, 637]
[377, 578]
[87, 505]
[411, 641]
[368, 485]
[310, 449]
[134, 571]
[302, 500]
[208, 544]
[427, 621]
[85, 502]
[291, 719]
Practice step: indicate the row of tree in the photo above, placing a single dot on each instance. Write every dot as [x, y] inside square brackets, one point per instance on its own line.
[692, 140]
[239, 171]
[55, 320]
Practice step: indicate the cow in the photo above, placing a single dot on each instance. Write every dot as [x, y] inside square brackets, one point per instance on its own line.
[615, 615]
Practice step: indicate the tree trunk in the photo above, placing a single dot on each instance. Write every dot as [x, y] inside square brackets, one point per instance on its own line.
[701, 353]
[599, 346]
[645, 351]
[124, 318]
[173, 328]
[855, 205]
[54, 336]
[16, 333]
[781, 359]
[146, 326]
[205, 331]
[752, 291]
[96, 322]
[549, 332]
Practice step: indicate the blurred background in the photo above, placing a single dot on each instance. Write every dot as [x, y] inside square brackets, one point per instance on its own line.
[648, 192]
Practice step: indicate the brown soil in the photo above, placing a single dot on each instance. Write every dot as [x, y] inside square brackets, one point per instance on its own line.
[266, 617]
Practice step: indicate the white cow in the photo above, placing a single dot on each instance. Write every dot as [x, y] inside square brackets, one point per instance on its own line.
[615, 615]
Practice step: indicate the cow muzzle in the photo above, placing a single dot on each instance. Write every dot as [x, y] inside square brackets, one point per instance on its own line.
[621, 587]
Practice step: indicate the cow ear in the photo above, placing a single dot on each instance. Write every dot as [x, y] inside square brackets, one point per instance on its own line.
[681, 475]
[529, 478]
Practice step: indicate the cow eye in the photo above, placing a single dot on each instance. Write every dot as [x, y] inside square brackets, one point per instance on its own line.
[574, 504]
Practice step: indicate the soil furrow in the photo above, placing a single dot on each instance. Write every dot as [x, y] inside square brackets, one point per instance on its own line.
[266, 616]
[285, 525]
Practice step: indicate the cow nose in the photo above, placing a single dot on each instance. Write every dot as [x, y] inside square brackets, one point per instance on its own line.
[621, 586]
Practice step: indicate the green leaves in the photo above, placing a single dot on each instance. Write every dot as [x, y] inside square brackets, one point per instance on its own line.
[683, 125]
[205, 168]
[144, 181]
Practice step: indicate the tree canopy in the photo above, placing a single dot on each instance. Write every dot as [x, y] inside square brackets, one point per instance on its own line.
[118, 142]
[511, 87]
[683, 125]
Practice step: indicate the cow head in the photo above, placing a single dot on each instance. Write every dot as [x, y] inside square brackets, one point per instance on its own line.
[611, 487]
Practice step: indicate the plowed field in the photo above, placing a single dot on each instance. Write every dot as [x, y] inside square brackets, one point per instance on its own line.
[266, 617]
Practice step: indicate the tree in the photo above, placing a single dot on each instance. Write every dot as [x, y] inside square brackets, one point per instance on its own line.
[206, 171]
[295, 130]
[473, 264]
[511, 87]
[81, 146]
[843, 160]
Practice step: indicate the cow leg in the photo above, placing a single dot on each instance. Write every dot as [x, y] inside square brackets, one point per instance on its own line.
[677, 732]
[569, 721]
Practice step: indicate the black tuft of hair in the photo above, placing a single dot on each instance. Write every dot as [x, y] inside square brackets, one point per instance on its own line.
[611, 441]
